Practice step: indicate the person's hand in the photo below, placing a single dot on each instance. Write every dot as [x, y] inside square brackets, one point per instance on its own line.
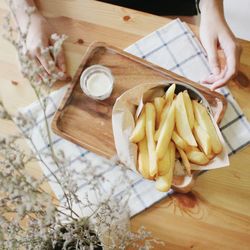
[39, 36]
[214, 34]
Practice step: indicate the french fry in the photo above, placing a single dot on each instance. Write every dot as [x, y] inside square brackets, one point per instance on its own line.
[150, 130]
[163, 183]
[151, 94]
[202, 138]
[166, 132]
[179, 142]
[139, 131]
[185, 161]
[168, 160]
[197, 157]
[169, 96]
[182, 123]
[143, 160]
[164, 115]
[159, 104]
[204, 120]
[189, 108]
[211, 156]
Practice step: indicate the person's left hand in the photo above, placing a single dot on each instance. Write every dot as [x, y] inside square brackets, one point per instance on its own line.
[214, 34]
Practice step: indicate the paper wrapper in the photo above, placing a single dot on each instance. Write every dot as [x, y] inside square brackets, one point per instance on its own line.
[128, 106]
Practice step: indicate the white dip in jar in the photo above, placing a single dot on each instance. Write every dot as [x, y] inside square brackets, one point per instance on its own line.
[97, 82]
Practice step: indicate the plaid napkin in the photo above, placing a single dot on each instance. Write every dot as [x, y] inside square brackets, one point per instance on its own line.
[175, 48]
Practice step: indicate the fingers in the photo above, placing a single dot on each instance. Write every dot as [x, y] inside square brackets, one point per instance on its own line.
[230, 72]
[217, 73]
[232, 53]
[60, 61]
[46, 60]
[213, 78]
[211, 49]
[43, 56]
[41, 72]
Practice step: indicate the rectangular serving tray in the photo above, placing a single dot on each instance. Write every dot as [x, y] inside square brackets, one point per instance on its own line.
[88, 122]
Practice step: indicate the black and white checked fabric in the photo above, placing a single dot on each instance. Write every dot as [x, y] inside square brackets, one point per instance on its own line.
[173, 47]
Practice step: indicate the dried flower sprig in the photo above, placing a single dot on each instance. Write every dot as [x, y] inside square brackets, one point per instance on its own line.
[31, 217]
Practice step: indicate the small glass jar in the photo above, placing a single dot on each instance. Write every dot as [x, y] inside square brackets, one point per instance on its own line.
[97, 82]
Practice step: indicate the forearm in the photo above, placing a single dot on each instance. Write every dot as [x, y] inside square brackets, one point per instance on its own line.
[19, 9]
[212, 8]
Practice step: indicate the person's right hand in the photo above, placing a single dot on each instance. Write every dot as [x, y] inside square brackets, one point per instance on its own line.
[214, 33]
[39, 36]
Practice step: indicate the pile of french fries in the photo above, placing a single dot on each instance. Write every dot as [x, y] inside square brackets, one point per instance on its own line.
[173, 127]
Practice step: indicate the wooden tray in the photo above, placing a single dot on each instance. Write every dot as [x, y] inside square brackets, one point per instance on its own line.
[87, 122]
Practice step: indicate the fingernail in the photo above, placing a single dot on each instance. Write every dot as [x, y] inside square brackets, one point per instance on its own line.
[206, 79]
[216, 70]
[211, 88]
[63, 67]
[68, 78]
[61, 75]
[203, 81]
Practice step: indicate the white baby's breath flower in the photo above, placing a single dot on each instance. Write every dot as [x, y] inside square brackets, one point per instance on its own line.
[24, 122]
[30, 10]
[60, 74]
[54, 36]
[48, 220]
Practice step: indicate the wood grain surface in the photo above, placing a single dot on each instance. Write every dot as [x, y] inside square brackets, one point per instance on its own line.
[216, 215]
[77, 111]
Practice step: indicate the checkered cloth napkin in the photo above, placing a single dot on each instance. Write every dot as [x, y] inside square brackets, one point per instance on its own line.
[175, 48]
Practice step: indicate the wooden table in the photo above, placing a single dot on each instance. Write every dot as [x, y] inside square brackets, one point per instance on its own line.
[216, 215]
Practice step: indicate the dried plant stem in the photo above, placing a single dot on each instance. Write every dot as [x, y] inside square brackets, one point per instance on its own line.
[46, 124]
[25, 197]
[56, 178]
